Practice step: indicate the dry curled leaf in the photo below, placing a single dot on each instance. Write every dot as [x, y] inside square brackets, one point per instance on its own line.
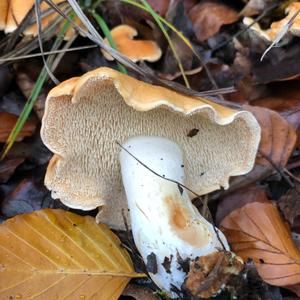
[208, 17]
[54, 254]
[278, 137]
[257, 231]
[8, 121]
[8, 167]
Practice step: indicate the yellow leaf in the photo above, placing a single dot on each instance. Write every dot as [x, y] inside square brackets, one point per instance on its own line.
[54, 254]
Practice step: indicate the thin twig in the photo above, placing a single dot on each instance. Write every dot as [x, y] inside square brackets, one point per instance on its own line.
[12, 58]
[39, 26]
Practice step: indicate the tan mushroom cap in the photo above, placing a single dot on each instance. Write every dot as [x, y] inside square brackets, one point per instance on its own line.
[3, 13]
[17, 11]
[136, 50]
[85, 116]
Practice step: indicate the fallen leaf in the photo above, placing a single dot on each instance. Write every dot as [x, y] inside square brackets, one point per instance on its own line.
[30, 194]
[283, 97]
[279, 64]
[8, 167]
[278, 138]
[289, 203]
[257, 231]
[254, 7]
[54, 254]
[7, 122]
[238, 199]
[139, 292]
[208, 17]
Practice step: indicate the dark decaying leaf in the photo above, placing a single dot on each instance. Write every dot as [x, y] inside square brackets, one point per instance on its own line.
[283, 97]
[289, 203]
[278, 64]
[139, 293]
[8, 166]
[29, 195]
[211, 272]
[238, 199]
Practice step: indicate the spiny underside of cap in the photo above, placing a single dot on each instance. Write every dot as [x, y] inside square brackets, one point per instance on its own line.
[86, 116]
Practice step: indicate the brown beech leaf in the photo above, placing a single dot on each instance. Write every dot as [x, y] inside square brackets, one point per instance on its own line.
[7, 122]
[278, 137]
[257, 231]
[208, 17]
[54, 254]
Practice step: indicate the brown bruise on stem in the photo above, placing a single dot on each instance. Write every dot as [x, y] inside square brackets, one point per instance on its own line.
[185, 226]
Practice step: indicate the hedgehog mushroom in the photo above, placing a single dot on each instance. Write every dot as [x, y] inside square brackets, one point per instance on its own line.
[166, 227]
[85, 116]
[136, 50]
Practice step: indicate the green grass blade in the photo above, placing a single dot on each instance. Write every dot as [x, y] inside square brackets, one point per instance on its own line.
[34, 94]
[108, 35]
[162, 28]
[168, 24]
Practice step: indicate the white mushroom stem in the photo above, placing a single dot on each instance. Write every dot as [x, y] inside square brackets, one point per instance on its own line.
[165, 224]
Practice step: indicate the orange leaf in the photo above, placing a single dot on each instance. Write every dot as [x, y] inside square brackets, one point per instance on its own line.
[8, 121]
[257, 231]
[278, 137]
[54, 254]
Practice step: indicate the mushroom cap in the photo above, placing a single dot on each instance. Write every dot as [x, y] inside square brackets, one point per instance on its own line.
[3, 13]
[85, 116]
[136, 50]
[17, 11]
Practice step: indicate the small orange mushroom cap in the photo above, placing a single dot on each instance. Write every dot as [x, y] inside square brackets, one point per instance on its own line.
[272, 33]
[136, 50]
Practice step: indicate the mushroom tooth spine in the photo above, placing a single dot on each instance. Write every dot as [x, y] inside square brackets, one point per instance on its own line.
[166, 226]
